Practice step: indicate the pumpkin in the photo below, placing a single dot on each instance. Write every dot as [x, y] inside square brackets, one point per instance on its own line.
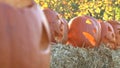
[17, 3]
[116, 27]
[64, 30]
[107, 34]
[24, 37]
[98, 25]
[58, 26]
[84, 31]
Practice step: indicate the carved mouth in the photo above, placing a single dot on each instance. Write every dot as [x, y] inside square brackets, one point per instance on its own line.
[90, 38]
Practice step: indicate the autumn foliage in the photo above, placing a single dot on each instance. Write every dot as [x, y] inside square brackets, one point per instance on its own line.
[100, 9]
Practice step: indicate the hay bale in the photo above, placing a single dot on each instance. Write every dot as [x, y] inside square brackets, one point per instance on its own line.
[116, 58]
[67, 56]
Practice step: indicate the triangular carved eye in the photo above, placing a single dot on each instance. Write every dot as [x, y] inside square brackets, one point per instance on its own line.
[88, 21]
[90, 38]
[118, 30]
[109, 29]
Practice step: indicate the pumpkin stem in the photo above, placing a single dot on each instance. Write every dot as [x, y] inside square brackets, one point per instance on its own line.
[89, 13]
[114, 15]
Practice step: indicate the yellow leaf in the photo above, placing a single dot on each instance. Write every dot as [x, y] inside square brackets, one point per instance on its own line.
[97, 10]
[110, 8]
[45, 5]
[105, 16]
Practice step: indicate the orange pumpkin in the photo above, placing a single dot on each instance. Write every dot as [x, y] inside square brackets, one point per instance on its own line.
[98, 25]
[116, 27]
[64, 30]
[58, 26]
[24, 37]
[107, 34]
[84, 31]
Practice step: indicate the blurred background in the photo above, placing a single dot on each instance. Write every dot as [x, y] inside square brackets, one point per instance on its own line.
[99, 9]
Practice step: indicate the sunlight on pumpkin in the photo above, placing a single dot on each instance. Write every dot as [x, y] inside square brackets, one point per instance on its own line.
[90, 38]
[88, 21]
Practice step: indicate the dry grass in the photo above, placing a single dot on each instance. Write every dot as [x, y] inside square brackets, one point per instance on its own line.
[67, 56]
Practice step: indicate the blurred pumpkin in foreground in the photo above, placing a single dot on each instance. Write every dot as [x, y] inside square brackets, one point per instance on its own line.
[107, 34]
[58, 26]
[116, 27]
[24, 36]
[84, 31]
[17, 3]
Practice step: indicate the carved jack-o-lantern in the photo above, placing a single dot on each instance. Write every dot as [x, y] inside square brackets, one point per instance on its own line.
[58, 26]
[84, 31]
[99, 29]
[24, 37]
[64, 30]
[116, 27]
[107, 34]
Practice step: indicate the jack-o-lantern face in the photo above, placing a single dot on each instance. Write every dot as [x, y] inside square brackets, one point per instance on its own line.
[57, 24]
[24, 37]
[98, 25]
[85, 31]
[107, 34]
[116, 27]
